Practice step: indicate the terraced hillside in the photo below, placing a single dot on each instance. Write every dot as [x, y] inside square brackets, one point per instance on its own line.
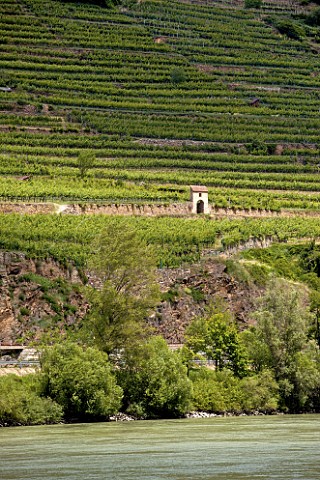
[158, 95]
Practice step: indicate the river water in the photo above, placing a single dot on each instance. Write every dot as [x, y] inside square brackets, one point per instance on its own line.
[237, 448]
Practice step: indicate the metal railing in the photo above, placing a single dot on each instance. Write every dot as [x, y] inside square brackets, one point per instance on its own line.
[19, 363]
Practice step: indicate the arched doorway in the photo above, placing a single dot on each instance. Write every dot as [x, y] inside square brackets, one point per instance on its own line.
[200, 206]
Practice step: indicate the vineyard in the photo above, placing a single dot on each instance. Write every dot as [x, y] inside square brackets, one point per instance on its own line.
[162, 95]
[175, 240]
[159, 95]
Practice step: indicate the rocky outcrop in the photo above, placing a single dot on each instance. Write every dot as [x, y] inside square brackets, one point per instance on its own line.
[187, 292]
[36, 295]
[40, 295]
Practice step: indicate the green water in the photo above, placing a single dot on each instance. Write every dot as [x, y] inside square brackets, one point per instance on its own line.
[245, 448]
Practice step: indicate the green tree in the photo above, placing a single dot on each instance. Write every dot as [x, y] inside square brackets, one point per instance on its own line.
[178, 75]
[280, 337]
[314, 17]
[80, 380]
[127, 267]
[308, 378]
[154, 380]
[85, 161]
[253, 3]
[288, 27]
[101, 3]
[217, 337]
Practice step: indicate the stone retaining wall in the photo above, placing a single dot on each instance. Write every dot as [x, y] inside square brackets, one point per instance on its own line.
[29, 208]
[148, 210]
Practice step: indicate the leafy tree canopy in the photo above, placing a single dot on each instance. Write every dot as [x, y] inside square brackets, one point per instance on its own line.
[280, 342]
[127, 267]
[80, 381]
[178, 75]
[217, 337]
[101, 3]
[85, 162]
[288, 27]
[283, 319]
[253, 3]
[154, 380]
[221, 391]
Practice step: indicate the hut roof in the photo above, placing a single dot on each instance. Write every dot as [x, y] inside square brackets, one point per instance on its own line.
[198, 188]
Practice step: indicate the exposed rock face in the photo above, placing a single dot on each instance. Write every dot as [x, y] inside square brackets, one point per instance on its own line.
[36, 295]
[187, 292]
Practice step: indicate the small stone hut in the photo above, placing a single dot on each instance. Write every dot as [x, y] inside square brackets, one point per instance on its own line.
[199, 199]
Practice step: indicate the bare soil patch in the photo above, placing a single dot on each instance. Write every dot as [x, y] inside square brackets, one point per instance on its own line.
[206, 68]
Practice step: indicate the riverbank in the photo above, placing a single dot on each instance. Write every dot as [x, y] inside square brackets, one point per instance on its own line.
[123, 417]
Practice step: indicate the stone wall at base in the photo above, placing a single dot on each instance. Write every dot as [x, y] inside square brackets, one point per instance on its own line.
[27, 208]
[147, 210]
[157, 210]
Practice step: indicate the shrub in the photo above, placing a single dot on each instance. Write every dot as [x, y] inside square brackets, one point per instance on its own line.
[216, 391]
[21, 404]
[291, 29]
[208, 394]
[223, 392]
